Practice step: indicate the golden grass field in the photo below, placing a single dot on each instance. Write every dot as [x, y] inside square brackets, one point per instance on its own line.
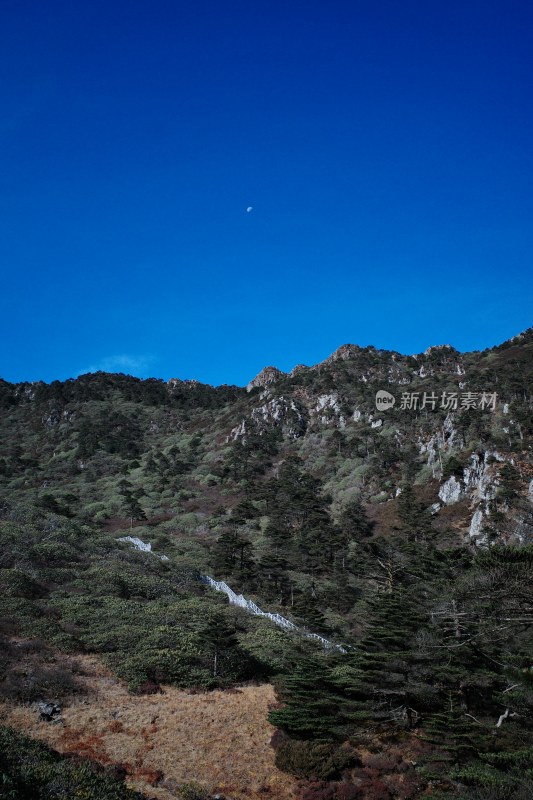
[219, 740]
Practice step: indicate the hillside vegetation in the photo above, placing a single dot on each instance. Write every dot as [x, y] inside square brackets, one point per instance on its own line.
[404, 535]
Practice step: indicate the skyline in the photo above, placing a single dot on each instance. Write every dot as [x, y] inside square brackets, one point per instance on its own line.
[384, 153]
[127, 365]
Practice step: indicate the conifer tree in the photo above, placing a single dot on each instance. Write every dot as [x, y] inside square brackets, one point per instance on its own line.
[311, 702]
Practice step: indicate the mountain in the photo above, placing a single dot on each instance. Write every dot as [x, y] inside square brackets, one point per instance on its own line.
[381, 502]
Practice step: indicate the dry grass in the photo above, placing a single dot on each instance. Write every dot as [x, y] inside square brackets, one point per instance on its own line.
[219, 739]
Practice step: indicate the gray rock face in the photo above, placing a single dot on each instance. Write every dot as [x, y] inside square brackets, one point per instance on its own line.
[48, 712]
[326, 408]
[52, 419]
[343, 353]
[479, 480]
[298, 369]
[439, 444]
[436, 348]
[480, 477]
[177, 383]
[265, 377]
[479, 483]
[274, 412]
[451, 491]
[476, 527]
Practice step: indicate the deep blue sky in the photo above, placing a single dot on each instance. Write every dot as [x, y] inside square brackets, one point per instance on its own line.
[386, 149]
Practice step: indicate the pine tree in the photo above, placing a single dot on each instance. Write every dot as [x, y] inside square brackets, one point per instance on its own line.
[233, 555]
[456, 737]
[311, 702]
[354, 522]
[414, 518]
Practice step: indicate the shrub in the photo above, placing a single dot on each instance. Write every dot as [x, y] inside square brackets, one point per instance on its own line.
[149, 687]
[193, 791]
[324, 790]
[374, 789]
[452, 466]
[383, 762]
[37, 684]
[31, 771]
[31, 673]
[319, 790]
[313, 760]
[16, 583]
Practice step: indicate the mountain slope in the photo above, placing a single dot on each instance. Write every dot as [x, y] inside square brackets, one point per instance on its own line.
[402, 529]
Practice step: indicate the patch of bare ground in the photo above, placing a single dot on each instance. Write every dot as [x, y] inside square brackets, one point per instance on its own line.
[219, 740]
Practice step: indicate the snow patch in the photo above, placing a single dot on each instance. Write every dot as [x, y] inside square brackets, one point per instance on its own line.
[252, 608]
[138, 544]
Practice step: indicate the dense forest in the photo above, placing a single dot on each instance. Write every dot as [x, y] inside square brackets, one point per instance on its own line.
[404, 537]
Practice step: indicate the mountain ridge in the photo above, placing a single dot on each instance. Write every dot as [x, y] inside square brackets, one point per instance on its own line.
[335, 355]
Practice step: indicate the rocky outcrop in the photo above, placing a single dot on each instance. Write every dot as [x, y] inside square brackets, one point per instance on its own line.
[177, 383]
[49, 712]
[479, 480]
[343, 353]
[451, 491]
[326, 409]
[439, 348]
[438, 445]
[298, 369]
[399, 375]
[479, 484]
[27, 391]
[267, 376]
[475, 531]
[274, 412]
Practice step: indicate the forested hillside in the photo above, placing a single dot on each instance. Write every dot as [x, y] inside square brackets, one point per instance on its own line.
[401, 533]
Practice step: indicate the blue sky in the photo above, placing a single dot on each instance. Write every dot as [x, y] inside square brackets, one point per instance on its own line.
[385, 149]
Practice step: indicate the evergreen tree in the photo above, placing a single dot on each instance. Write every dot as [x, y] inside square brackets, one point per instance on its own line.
[233, 555]
[354, 521]
[414, 518]
[312, 702]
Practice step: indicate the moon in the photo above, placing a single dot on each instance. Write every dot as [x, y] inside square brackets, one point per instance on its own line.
[250, 208]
